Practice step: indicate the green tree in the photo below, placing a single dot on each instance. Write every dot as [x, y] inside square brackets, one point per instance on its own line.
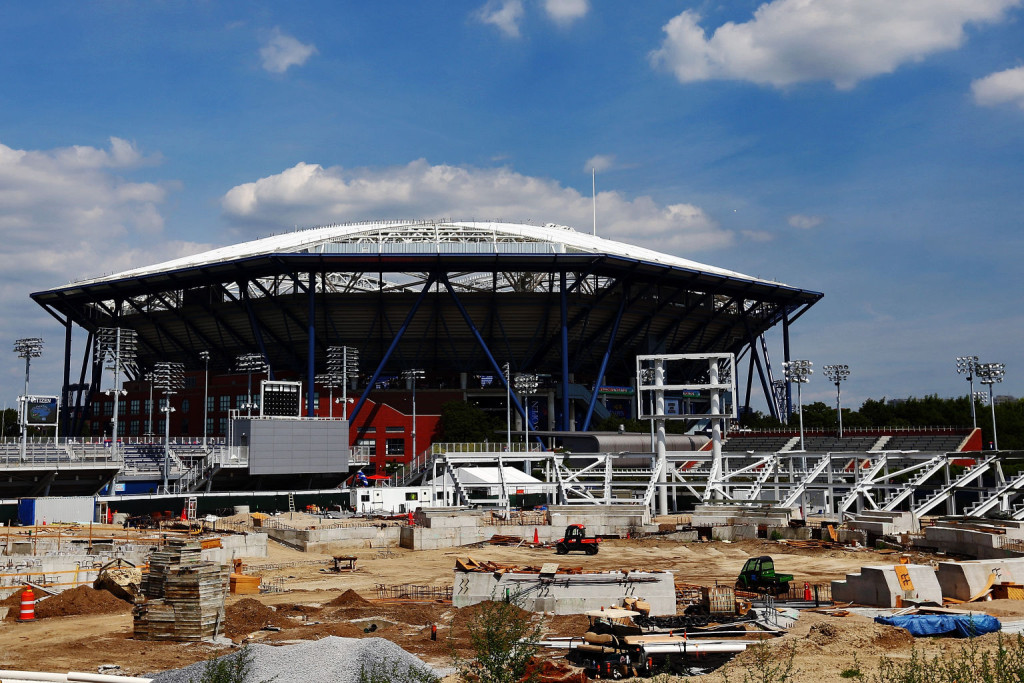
[463, 422]
[503, 639]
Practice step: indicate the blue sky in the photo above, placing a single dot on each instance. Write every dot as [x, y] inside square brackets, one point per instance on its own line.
[868, 149]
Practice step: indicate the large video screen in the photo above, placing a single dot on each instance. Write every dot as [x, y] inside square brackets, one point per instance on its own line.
[41, 410]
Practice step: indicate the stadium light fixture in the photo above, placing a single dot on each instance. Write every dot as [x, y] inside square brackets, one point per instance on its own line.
[526, 385]
[170, 378]
[413, 374]
[507, 371]
[799, 372]
[968, 365]
[342, 366]
[980, 397]
[837, 374]
[205, 357]
[250, 363]
[27, 348]
[990, 374]
[118, 347]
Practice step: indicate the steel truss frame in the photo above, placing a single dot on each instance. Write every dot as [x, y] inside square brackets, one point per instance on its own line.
[844, 483]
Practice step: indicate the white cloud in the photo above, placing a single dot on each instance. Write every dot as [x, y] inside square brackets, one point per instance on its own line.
[842, 41]
[599, 162]
[282, 51]
[757, 235]
[1000, 88]
[804, 222]
[565, 12]
[67, 214]
[505, 15]
[309, 194]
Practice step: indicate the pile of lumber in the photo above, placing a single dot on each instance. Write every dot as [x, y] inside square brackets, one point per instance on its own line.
[471, 565]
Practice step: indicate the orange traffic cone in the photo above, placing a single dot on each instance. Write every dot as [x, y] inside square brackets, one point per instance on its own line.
[536, 536]
[28, 605]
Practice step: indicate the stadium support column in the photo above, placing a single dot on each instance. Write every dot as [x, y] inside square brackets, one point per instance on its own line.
[310, 363]
[567, 424]
[716, 426]
[659, 393]
[785, 359]
[604, 359]
[431, 279]
[65, 393]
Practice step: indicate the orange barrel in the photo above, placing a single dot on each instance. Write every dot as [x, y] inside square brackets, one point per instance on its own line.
[28, 605]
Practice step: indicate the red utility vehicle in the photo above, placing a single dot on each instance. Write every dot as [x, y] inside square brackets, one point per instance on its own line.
[576, 539]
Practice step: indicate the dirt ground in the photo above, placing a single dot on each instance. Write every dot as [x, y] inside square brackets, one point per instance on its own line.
[315, 604]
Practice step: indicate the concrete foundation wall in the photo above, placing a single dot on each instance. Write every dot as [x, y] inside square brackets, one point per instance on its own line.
[963, 580]
[881, 523]
[420, 538]
[600, 520]
[327, 541]
[568, 593]
[979, 543]
[879, 586]
[237, 545]
[768, 515]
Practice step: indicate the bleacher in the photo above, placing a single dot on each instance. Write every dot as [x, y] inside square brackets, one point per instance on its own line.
[928, 443]
[832, 444]
[758, 443]
[143, 458]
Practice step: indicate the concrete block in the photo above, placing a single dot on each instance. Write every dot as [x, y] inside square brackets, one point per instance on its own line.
[567, 593]
[963, 580]
[878, 586]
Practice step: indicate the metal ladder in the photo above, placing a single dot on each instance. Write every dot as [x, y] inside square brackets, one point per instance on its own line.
[291, 502]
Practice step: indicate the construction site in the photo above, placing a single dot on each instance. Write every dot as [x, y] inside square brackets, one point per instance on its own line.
[681, 594]
[330, 533]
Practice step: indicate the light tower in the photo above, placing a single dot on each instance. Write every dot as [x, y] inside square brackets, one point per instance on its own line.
[969, 365]
[413, 374]
[526, 384]
[205, 357]
[170, 378]
[250, 363]
[342, 366]
[837, 374]
[117, 347]
[799, 372]
[27, 348]
[990, 374]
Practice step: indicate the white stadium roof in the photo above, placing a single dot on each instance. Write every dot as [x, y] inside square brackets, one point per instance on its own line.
[426, 237]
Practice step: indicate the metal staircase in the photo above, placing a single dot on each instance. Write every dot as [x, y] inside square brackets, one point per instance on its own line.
[943, 494]
[992, 499]
[927, 470]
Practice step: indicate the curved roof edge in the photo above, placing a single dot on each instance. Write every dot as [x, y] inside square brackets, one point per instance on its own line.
[326, 239]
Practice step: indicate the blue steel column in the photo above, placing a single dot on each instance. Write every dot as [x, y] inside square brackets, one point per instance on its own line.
[785, 358]
[310, 362]
[394, 344]
[64, 409]
[565, 354]
[483, 345]
[607, 354]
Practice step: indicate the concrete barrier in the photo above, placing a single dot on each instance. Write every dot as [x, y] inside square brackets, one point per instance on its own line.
[964, 580]
[567, 593]
[879, 586]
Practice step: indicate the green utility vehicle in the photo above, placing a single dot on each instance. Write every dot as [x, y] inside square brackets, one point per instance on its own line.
[758, 576]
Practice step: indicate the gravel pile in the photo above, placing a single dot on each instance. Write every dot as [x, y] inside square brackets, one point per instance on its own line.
[329, 659]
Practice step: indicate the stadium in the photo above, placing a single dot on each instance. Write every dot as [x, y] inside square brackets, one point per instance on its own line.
[394, 318]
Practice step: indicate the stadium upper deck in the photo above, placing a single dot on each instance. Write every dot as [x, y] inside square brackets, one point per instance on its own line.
[454, 298]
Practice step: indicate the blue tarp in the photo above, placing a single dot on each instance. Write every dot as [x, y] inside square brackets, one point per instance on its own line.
[955, 625]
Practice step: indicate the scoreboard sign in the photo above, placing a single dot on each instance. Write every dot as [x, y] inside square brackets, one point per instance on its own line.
[40, 411]
[281, 399]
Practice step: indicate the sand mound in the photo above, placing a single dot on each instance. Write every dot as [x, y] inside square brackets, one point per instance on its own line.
[81, 600]
[350, 599]
[248, 615]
